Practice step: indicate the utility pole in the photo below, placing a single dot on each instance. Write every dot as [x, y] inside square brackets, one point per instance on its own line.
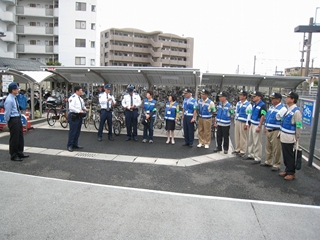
[302, 53]
[254, 64]
[306, 73]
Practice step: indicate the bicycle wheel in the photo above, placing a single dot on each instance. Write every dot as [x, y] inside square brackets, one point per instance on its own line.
[52, 116]
[97, 122]
[63, 121]
[116, 128]
[85, 122]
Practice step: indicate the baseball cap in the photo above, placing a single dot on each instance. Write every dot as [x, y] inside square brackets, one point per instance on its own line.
[107, 86]
[257, 93]
[244, 93]
[130, 88]
[293, 95]
[223, 94]
[205, 91]
[276, 95]
[187, 90]
[12, 86]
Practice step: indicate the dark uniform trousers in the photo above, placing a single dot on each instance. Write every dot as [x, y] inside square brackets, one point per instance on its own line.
[288, 158]
[75, 124]
[188, 130]
[223, 135]
[131, 122]
[105, 116]
[16, 142]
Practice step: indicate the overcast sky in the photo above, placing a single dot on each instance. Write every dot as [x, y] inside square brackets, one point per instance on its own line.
[227, 33]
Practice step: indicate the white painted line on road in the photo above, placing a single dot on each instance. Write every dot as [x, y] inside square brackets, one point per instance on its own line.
[170, 193]
[313, 164]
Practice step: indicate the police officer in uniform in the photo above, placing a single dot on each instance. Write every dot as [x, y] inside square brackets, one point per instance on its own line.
[106, 101]
[131, 101]
[189, 115]
[12, 115]
[77, 110]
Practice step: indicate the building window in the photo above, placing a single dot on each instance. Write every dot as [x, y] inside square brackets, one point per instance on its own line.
[93, 44]
[106, 45]
[80, 43]
[106, 35]
[106, 55]
[32, 5]
[80, 25]
[33, 42]
[93, 8]
[93, 26]
[81, 6]
[92, 62]
[80, 61]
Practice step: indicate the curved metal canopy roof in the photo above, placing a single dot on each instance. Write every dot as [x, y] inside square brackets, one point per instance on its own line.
[220, 79]
[127, 75]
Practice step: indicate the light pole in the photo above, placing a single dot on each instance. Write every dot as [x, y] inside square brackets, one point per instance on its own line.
[311, 29]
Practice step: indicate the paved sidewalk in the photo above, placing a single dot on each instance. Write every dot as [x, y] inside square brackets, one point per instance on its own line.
[41, 208]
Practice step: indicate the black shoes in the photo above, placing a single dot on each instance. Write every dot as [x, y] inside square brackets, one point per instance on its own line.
[78, 147]
[185, 144]
[255, 162]
[24, 156]
[265, 165]
[128, 139]
[99, 139]
[217, 150]
[70, 149]
[110, 138]
[16, 158]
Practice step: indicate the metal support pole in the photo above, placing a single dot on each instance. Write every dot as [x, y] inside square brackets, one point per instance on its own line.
[314, 128]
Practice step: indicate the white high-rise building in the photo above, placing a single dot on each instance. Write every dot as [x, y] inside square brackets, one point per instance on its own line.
[49, 31]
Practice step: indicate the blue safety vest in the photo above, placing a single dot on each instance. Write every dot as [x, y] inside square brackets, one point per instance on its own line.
[148, 107]
[241, 111]
[171, 112]
[255, 119]
[204, 110]
[223, 115]
[189, 105]
[271, 120]
[287, 126]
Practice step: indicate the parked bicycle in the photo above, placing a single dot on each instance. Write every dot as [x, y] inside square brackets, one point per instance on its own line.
[54, 114]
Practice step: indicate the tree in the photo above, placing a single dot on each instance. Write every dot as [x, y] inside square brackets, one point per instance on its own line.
[52, 63]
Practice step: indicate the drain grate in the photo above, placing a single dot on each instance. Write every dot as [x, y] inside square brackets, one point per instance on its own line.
[86, 155]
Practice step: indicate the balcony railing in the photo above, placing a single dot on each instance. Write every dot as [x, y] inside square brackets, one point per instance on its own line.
[9, 37]
[31, 11]
[40, 49]
[7, 16]
[34, 30]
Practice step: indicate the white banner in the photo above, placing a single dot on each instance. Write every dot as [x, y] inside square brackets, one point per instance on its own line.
[6, 80]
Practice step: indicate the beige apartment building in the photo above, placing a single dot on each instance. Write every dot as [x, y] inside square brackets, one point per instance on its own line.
[134, 47]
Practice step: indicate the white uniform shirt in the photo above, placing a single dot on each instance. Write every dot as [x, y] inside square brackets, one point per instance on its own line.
[126, 101]
[76, 104]
[103, 100]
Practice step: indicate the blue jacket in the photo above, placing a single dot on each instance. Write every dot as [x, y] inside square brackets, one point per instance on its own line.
[171, 113]
[223, 115]
[149, 107]
[287, 126]
[204, 110]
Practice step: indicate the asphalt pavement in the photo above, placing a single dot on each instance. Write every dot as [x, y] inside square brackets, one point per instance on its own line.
[54, 196]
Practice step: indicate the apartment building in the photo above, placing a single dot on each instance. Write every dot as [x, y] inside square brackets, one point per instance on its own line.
[49, 30]
[134, 47]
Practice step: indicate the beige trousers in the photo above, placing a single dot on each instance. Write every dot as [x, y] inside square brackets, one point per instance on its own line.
[273, 149]
[204, 131]
[254, 143]
[240, 136]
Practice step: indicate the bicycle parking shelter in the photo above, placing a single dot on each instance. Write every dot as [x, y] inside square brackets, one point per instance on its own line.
[142, 76]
